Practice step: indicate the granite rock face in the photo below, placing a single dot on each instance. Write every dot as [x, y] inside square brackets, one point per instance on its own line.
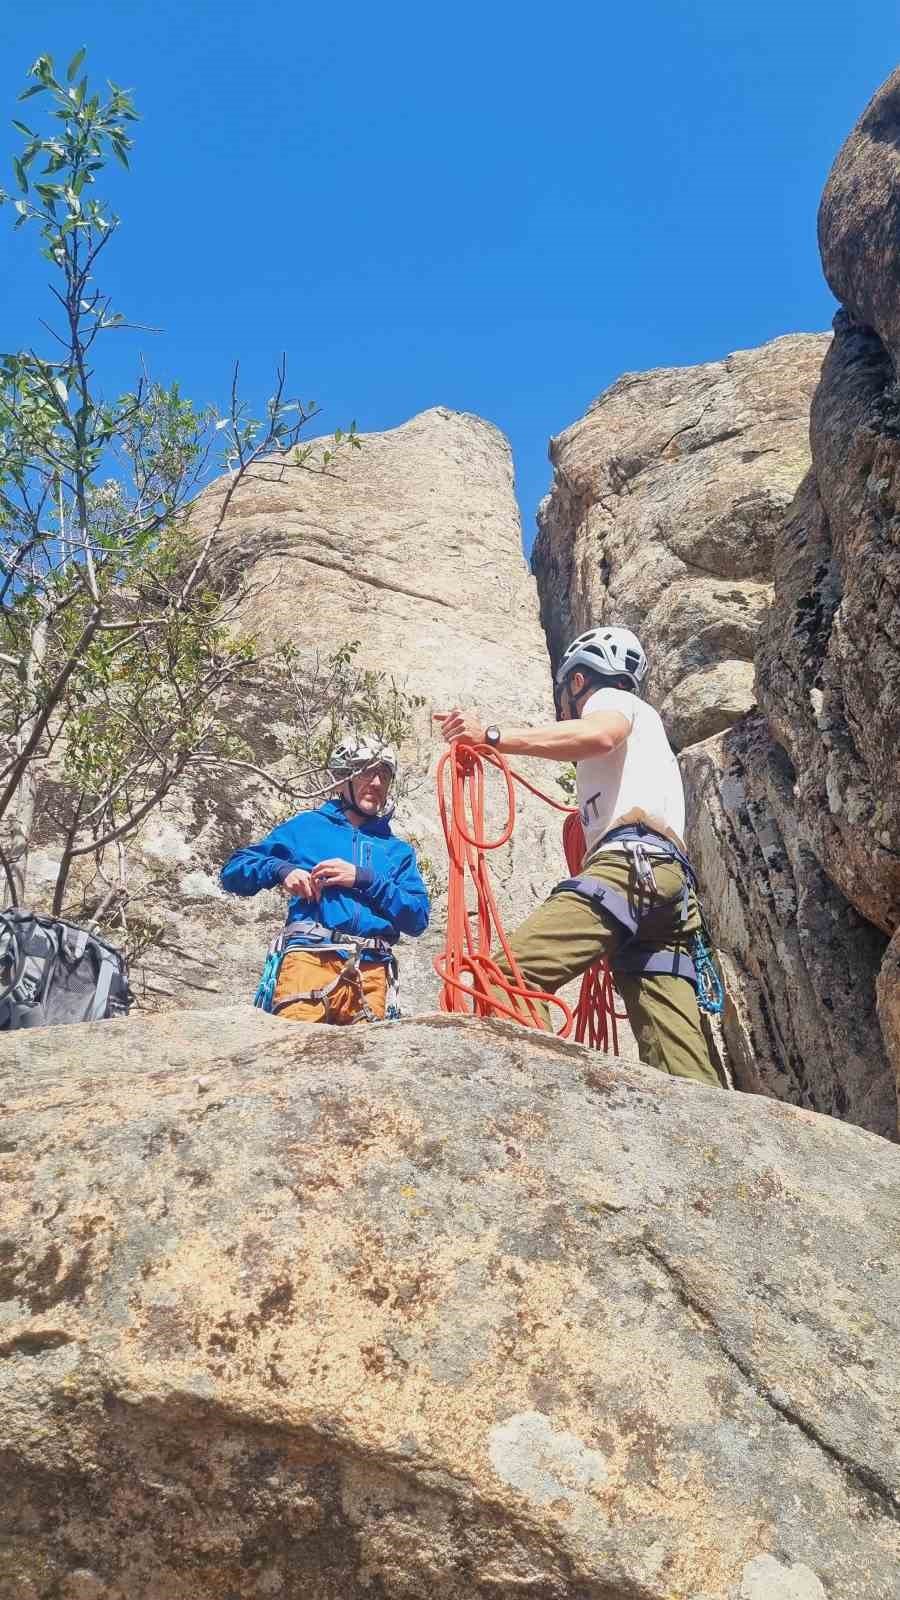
[859, 218]
[662, 515]
[413, 547]
[801, 963]
[435, 1308]
[669, 478]
[828, 667]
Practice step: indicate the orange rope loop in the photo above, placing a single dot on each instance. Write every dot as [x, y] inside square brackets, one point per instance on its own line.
[471, 980]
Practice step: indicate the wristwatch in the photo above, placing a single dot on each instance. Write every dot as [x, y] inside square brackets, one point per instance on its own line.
[492, 735]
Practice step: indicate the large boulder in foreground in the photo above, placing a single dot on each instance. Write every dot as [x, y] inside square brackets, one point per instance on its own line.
[662, 514]
[441, 1309]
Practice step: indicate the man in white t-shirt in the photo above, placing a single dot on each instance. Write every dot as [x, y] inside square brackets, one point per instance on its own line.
[633, 900]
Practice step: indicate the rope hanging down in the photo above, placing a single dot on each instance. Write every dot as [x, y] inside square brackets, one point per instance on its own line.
[471, 979]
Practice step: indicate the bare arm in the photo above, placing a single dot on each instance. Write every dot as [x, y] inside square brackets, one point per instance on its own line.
[594, 735]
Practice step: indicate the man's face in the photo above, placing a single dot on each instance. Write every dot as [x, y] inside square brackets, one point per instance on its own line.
[369, 790]
[569, 695]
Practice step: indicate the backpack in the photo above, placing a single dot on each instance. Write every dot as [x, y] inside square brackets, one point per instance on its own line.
[53, 972]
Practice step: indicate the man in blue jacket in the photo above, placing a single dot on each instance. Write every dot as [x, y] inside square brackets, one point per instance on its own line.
[353, 888]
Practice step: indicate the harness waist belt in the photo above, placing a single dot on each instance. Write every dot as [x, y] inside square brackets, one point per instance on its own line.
[309, 934]
[638, 831]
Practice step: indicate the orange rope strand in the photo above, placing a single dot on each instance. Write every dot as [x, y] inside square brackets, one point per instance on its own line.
[470, 976]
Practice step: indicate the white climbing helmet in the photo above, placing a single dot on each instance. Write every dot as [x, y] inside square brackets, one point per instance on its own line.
[615, 652]
[354, 756]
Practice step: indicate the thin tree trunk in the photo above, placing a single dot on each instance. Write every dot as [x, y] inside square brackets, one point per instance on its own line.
[25, 801]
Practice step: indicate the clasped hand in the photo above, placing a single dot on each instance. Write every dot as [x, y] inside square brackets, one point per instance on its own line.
[335, 874]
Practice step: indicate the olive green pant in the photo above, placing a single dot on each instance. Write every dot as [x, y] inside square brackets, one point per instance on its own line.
[566, 934]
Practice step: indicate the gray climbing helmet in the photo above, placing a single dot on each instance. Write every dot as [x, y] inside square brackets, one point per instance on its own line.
[614, 652]
[355, 756]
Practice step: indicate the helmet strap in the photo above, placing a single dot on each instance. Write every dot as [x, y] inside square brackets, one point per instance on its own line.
[575, 700]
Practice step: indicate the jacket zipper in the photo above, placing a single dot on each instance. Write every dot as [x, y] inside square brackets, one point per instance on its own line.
[355, 853]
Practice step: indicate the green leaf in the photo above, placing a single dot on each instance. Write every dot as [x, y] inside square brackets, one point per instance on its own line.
[21, 175]
[36, 88]
[74, 64]
[22, 128]
[119, 152]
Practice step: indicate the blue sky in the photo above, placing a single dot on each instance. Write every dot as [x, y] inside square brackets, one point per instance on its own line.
[498, 208]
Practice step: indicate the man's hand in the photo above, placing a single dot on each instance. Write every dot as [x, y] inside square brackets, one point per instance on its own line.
[298, 882]
[334, 874]
[460, 726]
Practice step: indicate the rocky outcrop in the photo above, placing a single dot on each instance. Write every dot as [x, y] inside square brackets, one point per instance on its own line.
[859, 218]
[412, 545]
[662, 515]
[667, 512]
[829, 661]
[801, 963]
[440, 1308]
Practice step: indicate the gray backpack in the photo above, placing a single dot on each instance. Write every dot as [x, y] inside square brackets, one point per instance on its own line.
[52, 971]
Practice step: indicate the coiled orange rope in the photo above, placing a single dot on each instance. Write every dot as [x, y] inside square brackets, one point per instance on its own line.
[471, 980]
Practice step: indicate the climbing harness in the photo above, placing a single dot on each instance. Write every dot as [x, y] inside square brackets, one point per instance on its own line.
[697, 966]
[469, 973]
[467, 969]
[321, 940]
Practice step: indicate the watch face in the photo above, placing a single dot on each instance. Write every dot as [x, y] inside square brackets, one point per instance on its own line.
[492, 734]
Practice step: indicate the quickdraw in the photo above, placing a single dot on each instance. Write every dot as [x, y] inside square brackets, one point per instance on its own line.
[710, 989]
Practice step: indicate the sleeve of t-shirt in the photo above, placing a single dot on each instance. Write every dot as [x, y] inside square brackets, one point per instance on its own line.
[611, 700]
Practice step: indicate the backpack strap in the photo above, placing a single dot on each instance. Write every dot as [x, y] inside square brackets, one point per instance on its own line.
[15, 954]
[102, 987]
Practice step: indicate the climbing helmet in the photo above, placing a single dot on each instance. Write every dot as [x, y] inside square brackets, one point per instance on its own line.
[613, 651]
[353, 756]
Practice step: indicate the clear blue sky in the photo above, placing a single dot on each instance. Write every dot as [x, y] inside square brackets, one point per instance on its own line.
[494, 207]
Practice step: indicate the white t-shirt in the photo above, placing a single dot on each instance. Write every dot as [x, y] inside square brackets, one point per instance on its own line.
[642, 771]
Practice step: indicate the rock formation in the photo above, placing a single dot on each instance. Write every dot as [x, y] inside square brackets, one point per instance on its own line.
[801, 963]
[412, 546]
[668, 512]
[829, 664]
[435, 1309]
[665, 500]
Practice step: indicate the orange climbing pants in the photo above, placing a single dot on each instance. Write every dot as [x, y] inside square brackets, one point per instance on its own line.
[303, 970]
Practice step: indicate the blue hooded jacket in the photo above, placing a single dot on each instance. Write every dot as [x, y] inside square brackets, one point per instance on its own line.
[388, 898]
